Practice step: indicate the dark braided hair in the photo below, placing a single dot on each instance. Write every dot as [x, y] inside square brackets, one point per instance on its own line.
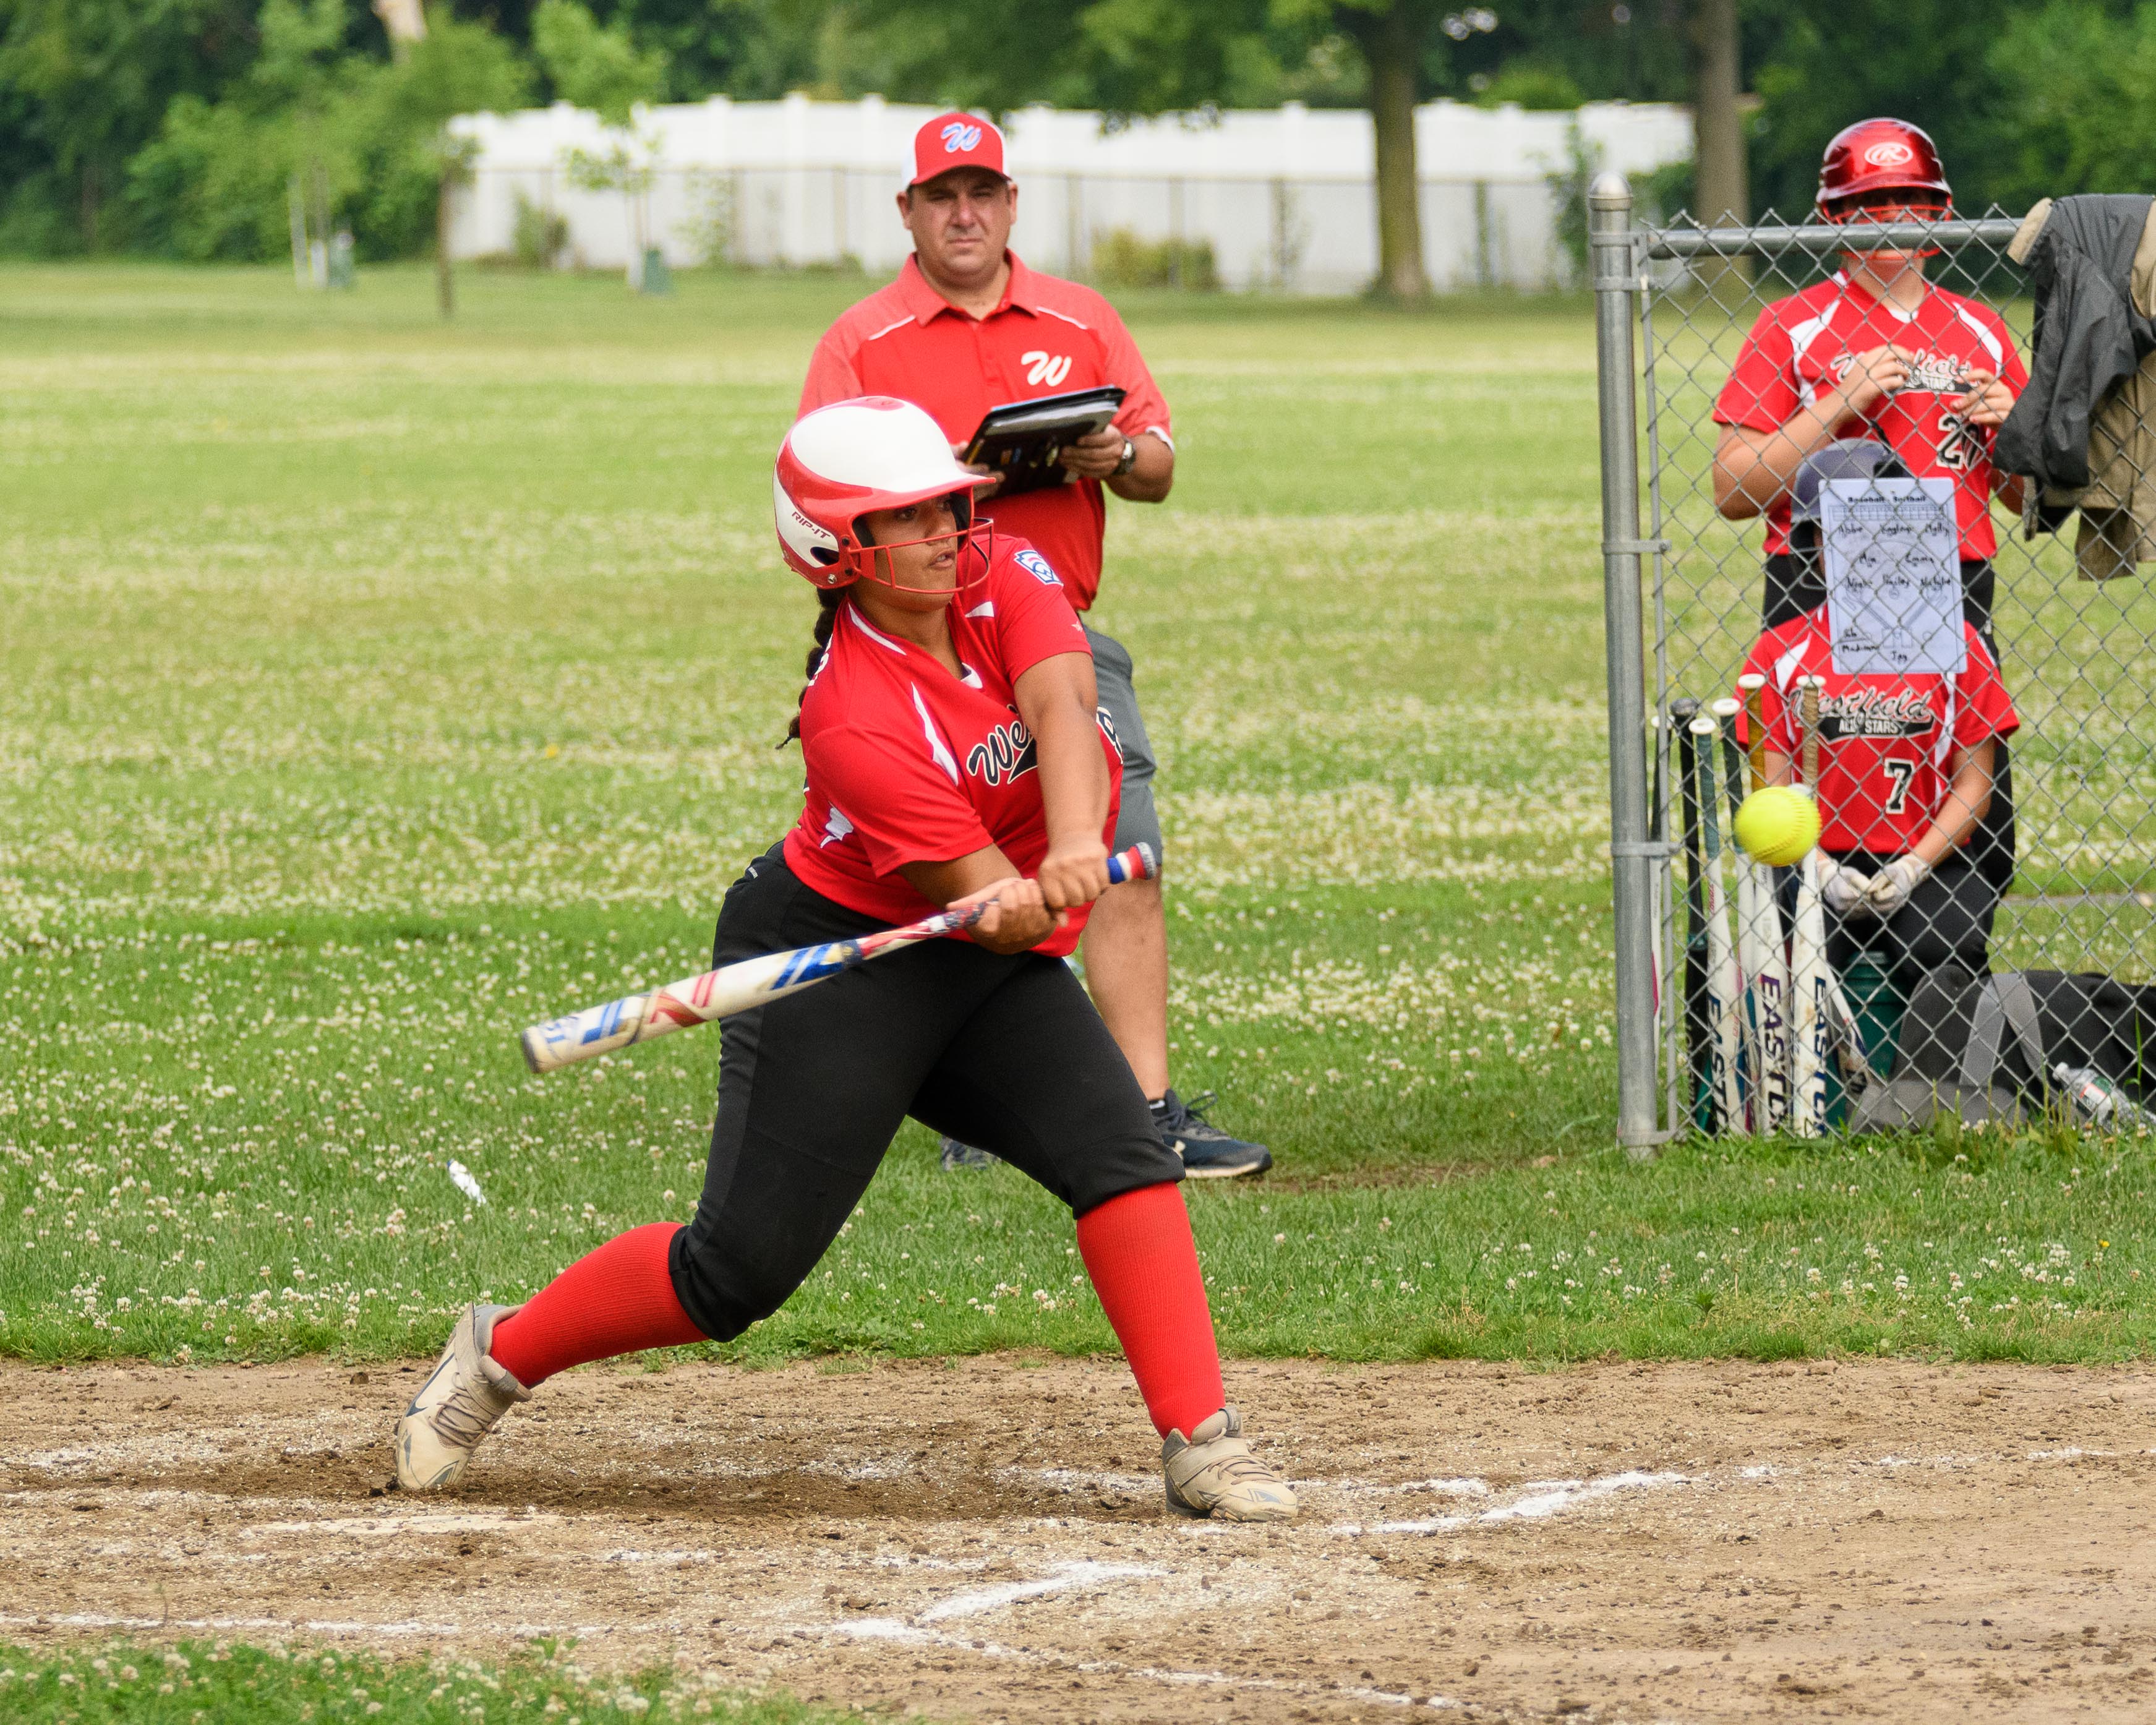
[828, 601]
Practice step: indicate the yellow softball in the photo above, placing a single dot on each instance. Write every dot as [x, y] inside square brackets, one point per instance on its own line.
[1777, 825]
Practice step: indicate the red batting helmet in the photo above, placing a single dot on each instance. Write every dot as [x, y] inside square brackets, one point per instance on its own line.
[873, 452]
[1882, 155]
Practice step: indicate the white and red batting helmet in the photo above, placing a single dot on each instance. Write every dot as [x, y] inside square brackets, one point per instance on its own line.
[1883, 155]
[842, 462]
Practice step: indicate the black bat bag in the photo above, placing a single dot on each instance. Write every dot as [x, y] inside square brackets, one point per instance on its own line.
[1986, 1046]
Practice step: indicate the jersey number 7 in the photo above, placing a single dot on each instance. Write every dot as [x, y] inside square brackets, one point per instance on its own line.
[1902, 773]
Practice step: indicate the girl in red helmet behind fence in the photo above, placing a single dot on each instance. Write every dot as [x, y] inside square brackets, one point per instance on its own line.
[1877, 350]
[954, 757]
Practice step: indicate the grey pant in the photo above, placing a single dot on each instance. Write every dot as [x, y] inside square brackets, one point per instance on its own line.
[1137, 823]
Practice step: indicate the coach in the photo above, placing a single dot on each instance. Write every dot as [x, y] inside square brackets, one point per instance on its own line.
[965, 328]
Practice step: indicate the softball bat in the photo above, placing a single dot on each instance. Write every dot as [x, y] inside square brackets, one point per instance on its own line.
[1724, 980]
[752, 983]
[1761, 950]
[1810, 1043]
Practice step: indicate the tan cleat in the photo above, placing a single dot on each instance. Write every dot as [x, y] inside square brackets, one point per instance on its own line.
[1212, 1472]
[456, 1407]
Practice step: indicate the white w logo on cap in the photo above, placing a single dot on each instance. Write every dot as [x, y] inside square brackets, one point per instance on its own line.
[958, 135]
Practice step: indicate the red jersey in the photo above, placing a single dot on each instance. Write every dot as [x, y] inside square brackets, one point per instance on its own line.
[1047, 337]
[1883, 740]
[1804, 345]
[907, 763]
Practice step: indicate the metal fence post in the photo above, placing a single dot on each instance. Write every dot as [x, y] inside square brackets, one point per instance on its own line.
[1616, 266]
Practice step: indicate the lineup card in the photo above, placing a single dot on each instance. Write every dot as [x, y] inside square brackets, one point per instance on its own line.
[1893, 577]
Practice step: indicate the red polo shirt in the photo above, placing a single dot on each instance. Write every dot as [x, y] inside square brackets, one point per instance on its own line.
[907, 763]
[1046, 337]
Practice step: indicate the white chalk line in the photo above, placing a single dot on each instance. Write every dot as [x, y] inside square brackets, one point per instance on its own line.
[1538, 1500]
[1060, 1579]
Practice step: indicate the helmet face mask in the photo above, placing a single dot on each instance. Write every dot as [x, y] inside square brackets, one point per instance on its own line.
[853, 459]
[1882, 171]
[973, 542]
[1887, 205]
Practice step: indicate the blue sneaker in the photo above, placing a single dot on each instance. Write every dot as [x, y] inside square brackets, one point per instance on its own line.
[1207, 1154]
[955, 1156]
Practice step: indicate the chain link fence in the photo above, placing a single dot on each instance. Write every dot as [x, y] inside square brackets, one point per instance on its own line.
[2060, 872]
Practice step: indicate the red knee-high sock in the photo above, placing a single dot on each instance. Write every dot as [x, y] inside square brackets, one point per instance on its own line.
[1138, 1250]
[616, 1300]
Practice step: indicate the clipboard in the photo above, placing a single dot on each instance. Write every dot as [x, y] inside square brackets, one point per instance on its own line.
[1893, 577]
[1021, 441]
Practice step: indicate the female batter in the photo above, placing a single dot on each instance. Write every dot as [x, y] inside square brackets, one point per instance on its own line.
[954, 757]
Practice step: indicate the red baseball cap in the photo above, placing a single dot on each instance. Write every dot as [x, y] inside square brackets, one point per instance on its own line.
[952, 141]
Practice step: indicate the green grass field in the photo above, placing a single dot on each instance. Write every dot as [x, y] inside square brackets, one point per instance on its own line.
[369, 689]
[195, 1682]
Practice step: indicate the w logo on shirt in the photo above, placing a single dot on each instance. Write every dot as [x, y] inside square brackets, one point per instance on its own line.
[1045, 367]
[958, 135]
[1007, 751]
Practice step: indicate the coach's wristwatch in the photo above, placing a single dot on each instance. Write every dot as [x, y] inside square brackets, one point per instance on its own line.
[1130, 458]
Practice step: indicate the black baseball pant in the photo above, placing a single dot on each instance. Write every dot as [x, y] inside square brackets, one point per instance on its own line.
[1947, 920]
[1001, 1051]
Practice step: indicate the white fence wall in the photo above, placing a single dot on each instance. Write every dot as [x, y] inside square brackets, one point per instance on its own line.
[1284, 196]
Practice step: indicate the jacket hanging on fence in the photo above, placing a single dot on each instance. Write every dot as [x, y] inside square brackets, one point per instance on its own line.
[2086, 427]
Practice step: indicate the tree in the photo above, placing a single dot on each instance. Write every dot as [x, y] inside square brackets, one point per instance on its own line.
[320, 132]
[455, 68]
[93, 79]
[1718, 121]
[596, 66]
[1820, 65]
[1151, 56]
[602, 69]
[2079, 111]
[1394, 36]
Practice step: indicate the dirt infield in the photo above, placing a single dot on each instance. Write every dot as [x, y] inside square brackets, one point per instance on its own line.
[983, 1539]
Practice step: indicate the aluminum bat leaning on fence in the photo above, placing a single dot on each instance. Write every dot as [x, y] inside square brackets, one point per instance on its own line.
[752, 983]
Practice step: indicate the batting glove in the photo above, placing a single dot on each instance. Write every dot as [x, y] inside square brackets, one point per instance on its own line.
[1890, 887]
[1842, 889]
